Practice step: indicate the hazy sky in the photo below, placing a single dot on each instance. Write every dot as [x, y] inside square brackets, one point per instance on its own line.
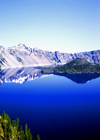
[54, 25]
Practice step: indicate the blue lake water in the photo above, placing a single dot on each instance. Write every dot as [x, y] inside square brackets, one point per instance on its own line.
[55, 107]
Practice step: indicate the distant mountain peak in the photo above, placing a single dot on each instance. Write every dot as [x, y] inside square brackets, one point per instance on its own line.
[2, 48]
[80, 61]
[18, 46]
[21, 45]
[22, 55]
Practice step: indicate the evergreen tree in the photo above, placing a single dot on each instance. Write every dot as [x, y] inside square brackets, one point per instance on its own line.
[10, 130]
[21, 133]
[38, 137]
[4, 115]
[17, 123]
[9, 121]
[5, 131]
[14, 123]
[29, 135]
[26, 133]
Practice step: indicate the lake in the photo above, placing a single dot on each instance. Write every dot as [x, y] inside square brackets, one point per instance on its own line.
[57, 107]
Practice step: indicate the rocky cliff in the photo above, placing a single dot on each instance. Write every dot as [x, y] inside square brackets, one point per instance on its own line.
[21, 56]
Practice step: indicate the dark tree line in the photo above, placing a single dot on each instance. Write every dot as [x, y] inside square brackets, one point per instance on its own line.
[10, 130]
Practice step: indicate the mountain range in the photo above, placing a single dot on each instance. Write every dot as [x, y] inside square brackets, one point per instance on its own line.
[22, 56]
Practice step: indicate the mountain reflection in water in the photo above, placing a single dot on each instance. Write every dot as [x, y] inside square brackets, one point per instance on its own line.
[81, 78]
[21, 75]
[54, 107]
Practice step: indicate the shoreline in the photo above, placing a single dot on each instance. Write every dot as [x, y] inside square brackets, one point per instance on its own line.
[70, 73]
[34, 65]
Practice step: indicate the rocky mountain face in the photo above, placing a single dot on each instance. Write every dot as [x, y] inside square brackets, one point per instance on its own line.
[22, 56]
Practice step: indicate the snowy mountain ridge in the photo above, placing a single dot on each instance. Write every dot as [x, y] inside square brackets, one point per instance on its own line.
[22, 56]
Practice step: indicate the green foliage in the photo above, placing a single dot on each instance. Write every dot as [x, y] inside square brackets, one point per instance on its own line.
[38, 137]
[79, 65]
[21, 133]
[10, 130]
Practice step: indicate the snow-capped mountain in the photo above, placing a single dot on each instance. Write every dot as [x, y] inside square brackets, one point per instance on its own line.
[22, 56]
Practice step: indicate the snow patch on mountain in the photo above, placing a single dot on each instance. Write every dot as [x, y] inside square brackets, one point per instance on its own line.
[23, 56]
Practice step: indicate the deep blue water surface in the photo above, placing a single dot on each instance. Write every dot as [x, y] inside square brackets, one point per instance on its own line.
[54, 107]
